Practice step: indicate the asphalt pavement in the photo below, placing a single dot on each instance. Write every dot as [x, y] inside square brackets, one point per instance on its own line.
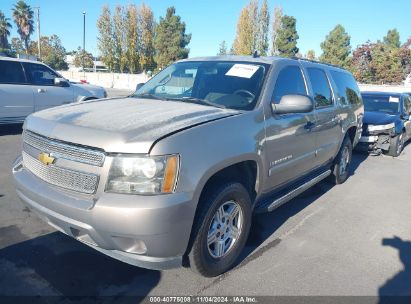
[353, 240]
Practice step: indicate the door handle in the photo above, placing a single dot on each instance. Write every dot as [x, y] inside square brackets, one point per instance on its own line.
[41, 91]
[309, 125]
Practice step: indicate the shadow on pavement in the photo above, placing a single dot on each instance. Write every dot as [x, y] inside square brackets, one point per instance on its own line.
[399, 284]
[14, 129]
[55, 264]
[264, 225]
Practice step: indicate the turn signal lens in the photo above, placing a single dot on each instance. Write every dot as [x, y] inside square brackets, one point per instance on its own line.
[170, 174]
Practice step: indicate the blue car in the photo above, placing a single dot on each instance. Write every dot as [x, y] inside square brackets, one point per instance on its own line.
[387, 122]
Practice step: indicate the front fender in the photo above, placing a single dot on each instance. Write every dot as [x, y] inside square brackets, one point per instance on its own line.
[208, 148]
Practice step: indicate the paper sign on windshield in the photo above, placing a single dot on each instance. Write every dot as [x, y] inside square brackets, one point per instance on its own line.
[242, 70]
[394, 99]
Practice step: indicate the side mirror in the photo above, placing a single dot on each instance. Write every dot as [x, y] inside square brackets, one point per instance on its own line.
[293, 104]
[61, 82]
[139, 85]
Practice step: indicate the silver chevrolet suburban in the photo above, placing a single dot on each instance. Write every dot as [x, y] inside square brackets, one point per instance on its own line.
[171, 175]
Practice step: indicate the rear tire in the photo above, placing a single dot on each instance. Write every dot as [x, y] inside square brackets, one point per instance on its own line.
[220, 229]
[340, 170]
[396, 145]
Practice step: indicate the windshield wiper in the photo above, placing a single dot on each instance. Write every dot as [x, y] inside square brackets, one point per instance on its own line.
[148, 95]
[198, 101]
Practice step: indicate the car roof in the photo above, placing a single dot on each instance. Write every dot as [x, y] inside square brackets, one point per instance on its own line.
[259, 59]
[382, 93]
[19, 60]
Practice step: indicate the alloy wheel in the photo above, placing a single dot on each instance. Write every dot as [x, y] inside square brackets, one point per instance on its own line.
[225, 229]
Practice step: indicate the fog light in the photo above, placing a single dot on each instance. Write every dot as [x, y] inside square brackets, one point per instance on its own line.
[130, 245]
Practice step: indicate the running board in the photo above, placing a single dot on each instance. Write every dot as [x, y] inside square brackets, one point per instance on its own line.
[295, 192]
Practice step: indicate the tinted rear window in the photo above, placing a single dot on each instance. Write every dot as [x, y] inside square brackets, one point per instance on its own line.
[11, 72]
[348, 91]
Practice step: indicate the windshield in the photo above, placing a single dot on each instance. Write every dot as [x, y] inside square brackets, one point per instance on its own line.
[387, 104]
[233, 85]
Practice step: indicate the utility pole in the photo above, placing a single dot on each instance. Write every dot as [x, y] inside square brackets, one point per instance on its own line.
[84, 40]
[38, 31]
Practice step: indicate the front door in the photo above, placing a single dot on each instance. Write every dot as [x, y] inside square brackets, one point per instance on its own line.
[290, 140]
[46, 93]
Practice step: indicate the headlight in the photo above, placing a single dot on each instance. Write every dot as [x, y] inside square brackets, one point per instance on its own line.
[143, 174]
[372, 128]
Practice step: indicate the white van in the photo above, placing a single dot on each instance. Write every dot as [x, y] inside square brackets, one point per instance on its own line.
[29, 86]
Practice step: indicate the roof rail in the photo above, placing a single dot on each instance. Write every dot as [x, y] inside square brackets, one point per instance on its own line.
[316, 61]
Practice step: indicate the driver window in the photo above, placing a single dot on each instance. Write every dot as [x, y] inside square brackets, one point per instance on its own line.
[289, 81]
[40, 74]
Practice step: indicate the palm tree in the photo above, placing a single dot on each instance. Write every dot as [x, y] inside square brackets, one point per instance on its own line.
[23, 17]
[5, 27]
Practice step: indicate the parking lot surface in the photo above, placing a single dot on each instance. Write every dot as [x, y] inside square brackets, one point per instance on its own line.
[352, 239]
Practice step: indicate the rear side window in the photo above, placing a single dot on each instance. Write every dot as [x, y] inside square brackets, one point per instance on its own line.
[321, 87]
[11, 72]
[348, 91]
[290, 81]
[39, 74]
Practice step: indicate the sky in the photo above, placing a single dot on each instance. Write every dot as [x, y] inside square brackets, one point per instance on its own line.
[212, 21]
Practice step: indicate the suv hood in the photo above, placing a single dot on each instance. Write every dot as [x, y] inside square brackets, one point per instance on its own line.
[127, 125]
[379, 118]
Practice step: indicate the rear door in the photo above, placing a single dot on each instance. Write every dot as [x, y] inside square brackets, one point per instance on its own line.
[16, 95]
[46, 94]
[290, 142]
[328, 128]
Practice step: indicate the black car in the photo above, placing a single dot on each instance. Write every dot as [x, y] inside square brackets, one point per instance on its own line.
[387, 124]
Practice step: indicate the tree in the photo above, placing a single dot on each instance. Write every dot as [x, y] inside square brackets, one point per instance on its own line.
[147, 32]
[310, 55]
[245, 40]
[120, 38]
[16, 45]
[171, 40]
[287, 37]
[81, 57]
[53, 52]
[262, 31]
[278, 15]
[105, 38]
[336, 47]
[393, 38]
[131, 24]
[5, 27]
[380, 63]
[23, 17]
[386, 64]
[222, 50]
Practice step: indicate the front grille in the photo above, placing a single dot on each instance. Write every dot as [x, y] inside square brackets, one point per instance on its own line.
[64, 150]
[61, 177]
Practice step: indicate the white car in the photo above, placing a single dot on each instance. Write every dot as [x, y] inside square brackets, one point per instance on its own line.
[30, 86]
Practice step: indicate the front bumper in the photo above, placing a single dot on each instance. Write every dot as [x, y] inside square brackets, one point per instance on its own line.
[376, 143]
[146, 231]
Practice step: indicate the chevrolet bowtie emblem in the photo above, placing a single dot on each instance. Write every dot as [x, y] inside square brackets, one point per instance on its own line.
[46, 159]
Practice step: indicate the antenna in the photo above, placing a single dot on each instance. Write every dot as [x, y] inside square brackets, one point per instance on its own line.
[255, 54]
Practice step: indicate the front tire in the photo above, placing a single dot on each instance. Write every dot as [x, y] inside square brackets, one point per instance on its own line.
[342, 162]
[396, 145]
[221, 229]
